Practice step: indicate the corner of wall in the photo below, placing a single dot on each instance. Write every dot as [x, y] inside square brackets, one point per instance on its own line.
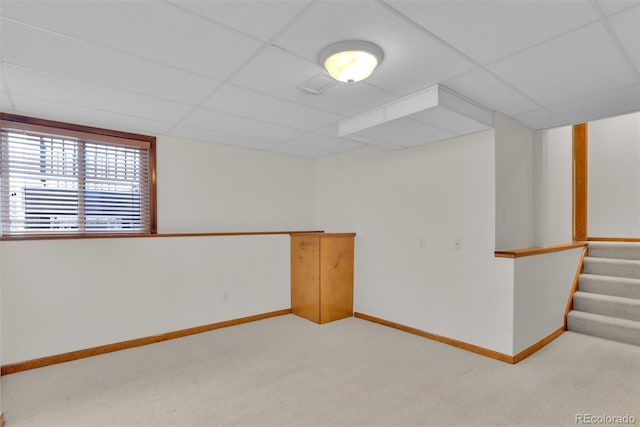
[514, 183]
[540, 188]
[552, 168]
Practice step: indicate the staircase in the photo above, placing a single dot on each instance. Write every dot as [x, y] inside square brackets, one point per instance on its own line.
[607, 303]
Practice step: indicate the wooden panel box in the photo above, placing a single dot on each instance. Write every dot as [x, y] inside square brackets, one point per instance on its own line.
[322, 275]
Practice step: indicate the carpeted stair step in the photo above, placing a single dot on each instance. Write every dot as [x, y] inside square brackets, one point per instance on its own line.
[617, 250]
[622, 330]
[612, 267]
[607, 305]
[610, 285]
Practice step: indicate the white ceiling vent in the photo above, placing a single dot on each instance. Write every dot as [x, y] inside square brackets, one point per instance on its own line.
[317, 84]
[436, 106]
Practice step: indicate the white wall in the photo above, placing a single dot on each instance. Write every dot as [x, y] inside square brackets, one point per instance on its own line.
[514, 183]
[542, 284]
[514, 191]
[553, 186]
[206, 187]
[408, 208]
[73, 294]
[614, 177]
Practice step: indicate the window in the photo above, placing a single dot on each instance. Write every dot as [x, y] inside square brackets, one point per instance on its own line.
[63, 179]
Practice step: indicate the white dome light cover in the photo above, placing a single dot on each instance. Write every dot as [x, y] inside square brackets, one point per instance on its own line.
[350, 61]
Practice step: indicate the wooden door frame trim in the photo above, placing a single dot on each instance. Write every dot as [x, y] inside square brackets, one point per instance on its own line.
[580, 181]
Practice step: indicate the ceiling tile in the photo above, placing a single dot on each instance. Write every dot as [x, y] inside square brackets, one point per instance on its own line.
[277, 72]
[24, 81]
[627, 27]
[412, 59]
[212, 136]
[613, 6]
[559, 71]
[491, 92]
[329, 130]
[332, 131]
[5, 101]
[43, 50]
[488, 30]
[248, 103]
[235, 125]
[294, 150]
[406, 133]
[56, 110]
[261, 19]
[324, 143]
[150, 29]
[276, 69]
[541, 119]
[617, 102]
[372, 141]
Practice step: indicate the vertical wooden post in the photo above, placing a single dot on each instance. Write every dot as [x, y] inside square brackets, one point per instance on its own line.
[580, 175]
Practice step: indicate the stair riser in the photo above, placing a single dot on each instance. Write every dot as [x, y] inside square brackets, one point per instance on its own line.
[632, 253]
[629, 311]
[612, 268]
[607, 304]
[609, 287]
[604, 330]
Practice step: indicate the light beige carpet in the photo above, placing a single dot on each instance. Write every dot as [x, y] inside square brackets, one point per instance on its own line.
[287, 371]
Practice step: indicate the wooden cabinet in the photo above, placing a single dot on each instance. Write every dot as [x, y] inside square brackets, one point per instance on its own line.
[322, 276]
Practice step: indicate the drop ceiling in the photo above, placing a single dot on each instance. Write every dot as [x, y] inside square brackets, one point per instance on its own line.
[228, 72]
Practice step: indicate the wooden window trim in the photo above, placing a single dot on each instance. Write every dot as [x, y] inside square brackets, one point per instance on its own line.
[101, 135]
[74, 127]
[145, 235]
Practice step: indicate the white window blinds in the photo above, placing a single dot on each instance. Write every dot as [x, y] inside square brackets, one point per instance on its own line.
[71, 183]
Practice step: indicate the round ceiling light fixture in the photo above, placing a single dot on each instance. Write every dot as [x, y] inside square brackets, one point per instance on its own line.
[350, 61]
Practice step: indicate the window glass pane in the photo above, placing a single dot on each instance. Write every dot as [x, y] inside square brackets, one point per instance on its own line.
[113, 181]
[53, 184]
[43, 185]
